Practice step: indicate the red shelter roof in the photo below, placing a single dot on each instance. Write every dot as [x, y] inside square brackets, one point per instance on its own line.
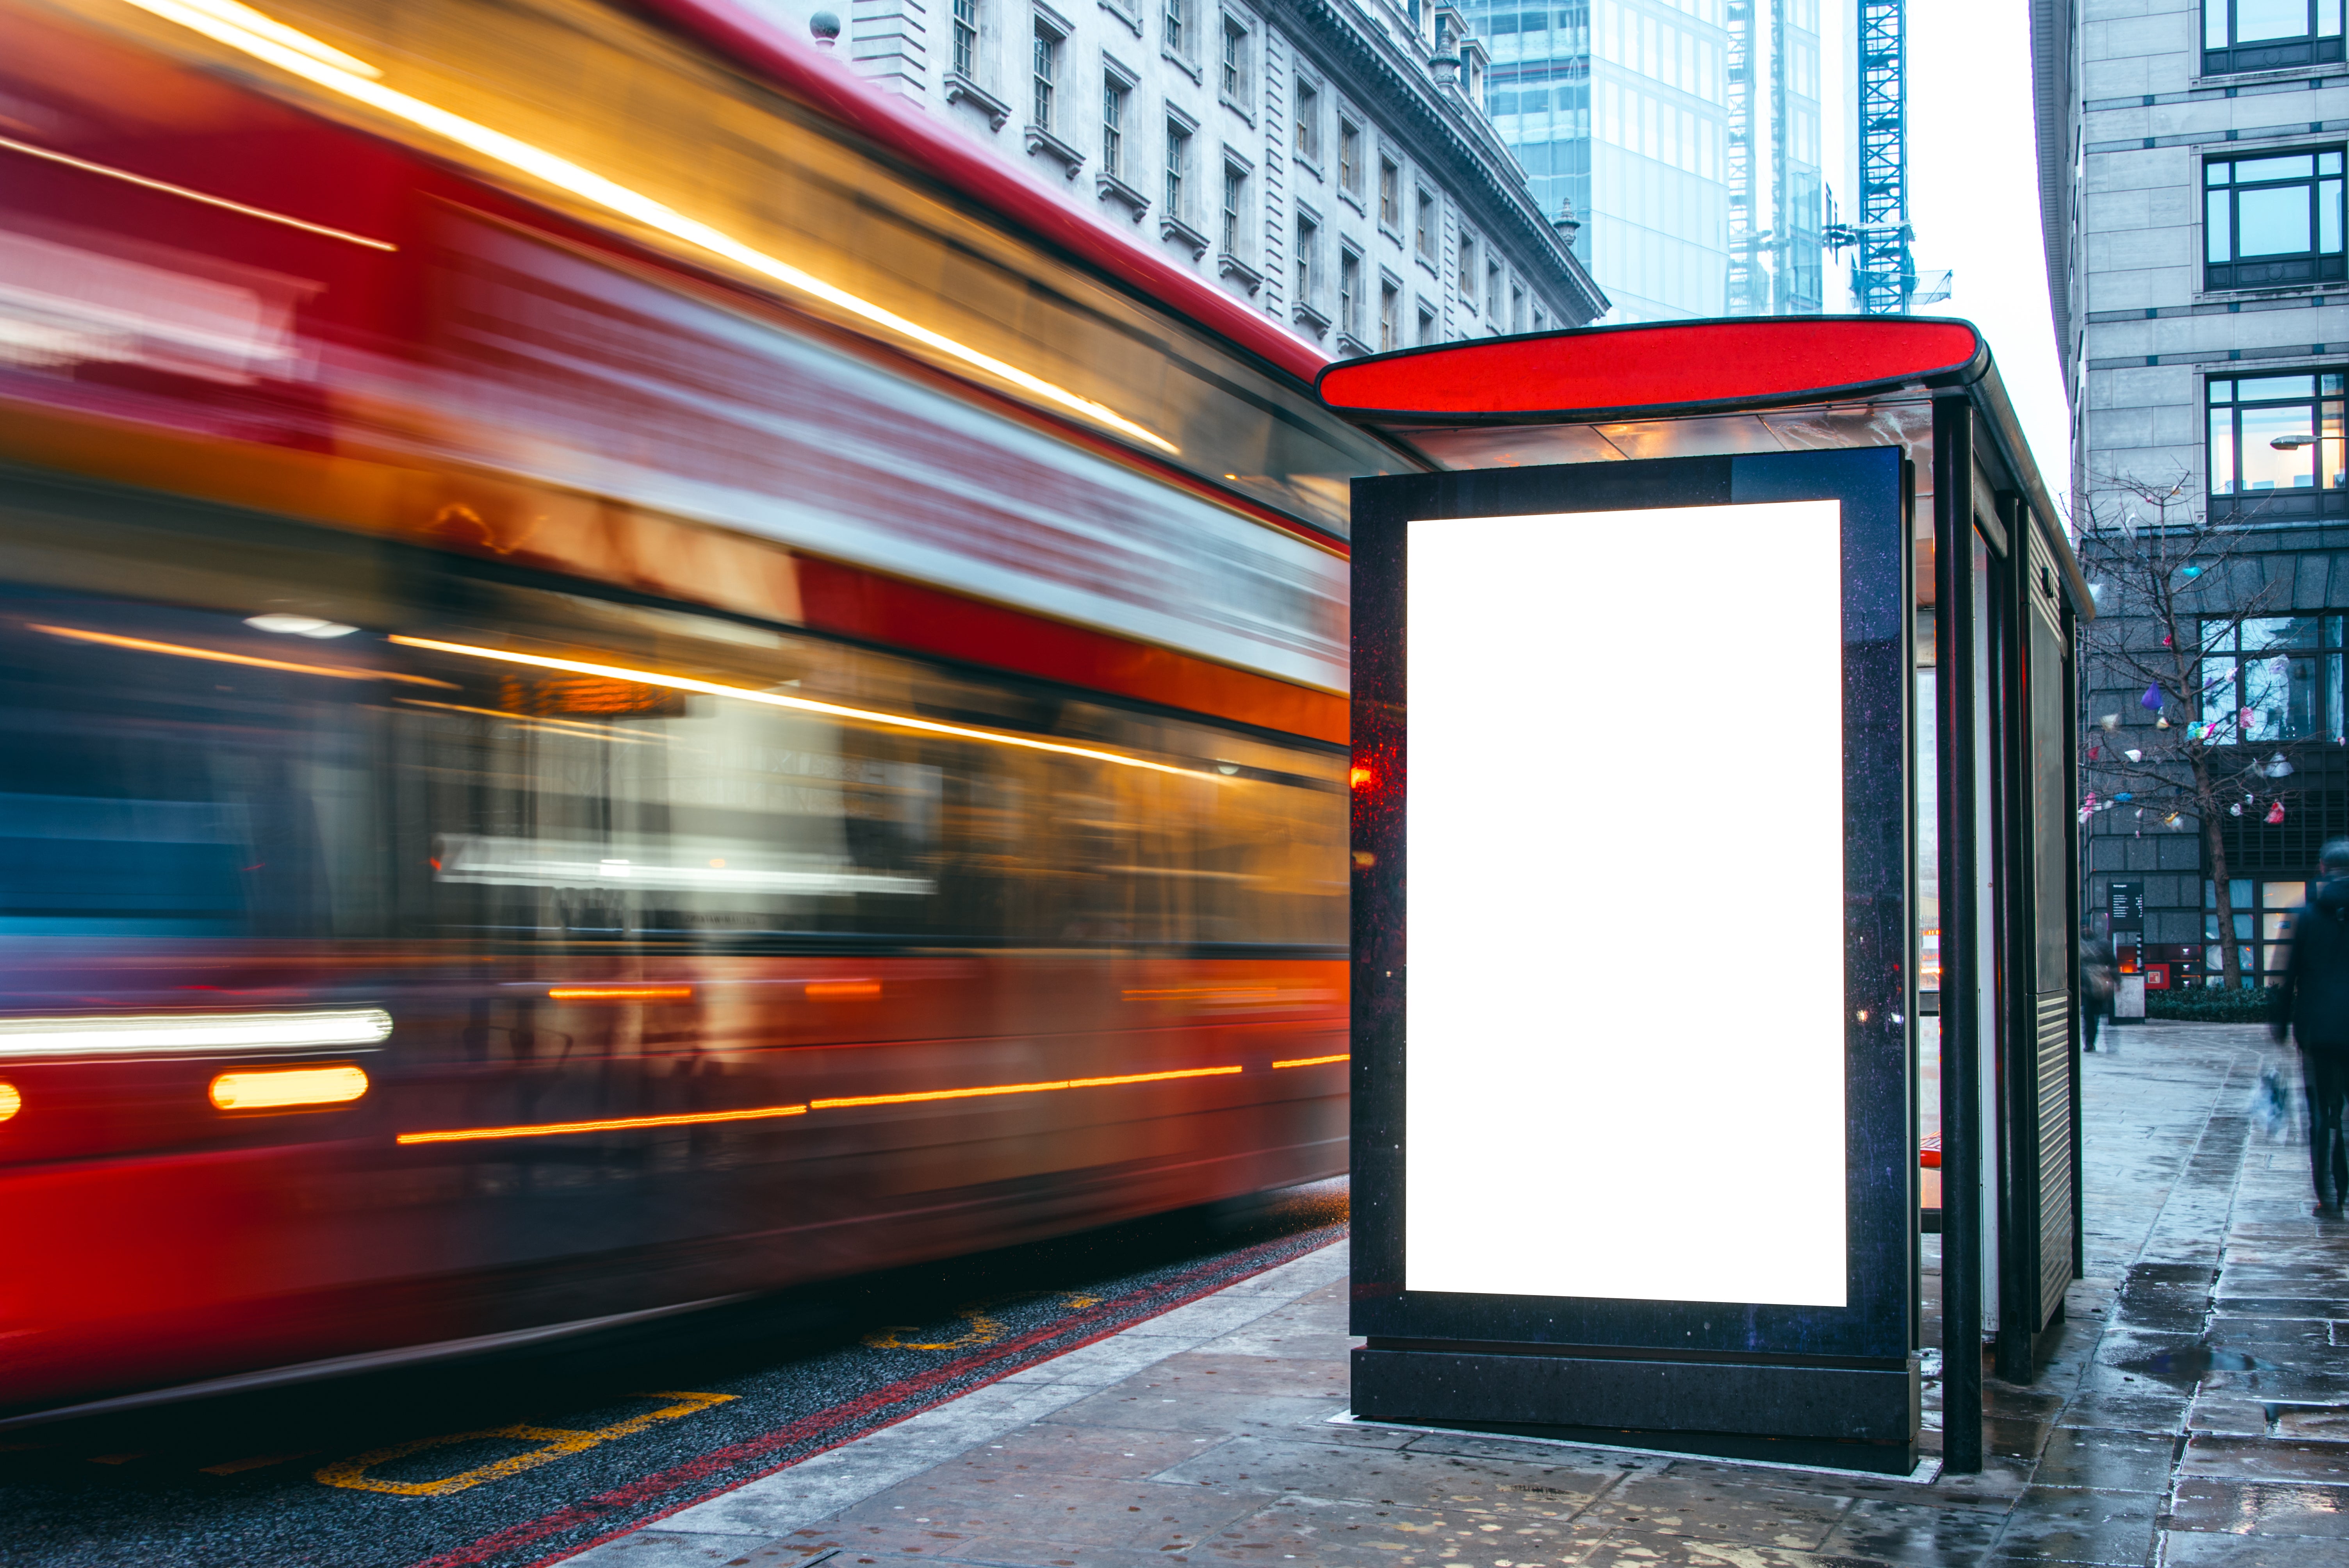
[1672, 367]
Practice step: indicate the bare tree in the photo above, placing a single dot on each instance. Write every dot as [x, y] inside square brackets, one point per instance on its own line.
[2171, 589]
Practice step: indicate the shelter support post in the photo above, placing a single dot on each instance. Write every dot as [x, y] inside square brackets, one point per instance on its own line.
[1961, 1130]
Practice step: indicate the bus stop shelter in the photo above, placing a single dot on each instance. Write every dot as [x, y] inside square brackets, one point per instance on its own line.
[1714, 861]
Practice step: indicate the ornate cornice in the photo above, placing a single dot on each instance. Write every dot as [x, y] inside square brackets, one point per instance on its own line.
[1377, 73]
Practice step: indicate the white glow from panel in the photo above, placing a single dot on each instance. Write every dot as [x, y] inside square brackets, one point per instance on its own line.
[1625, 828]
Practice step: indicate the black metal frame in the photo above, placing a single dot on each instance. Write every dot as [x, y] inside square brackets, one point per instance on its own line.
[1829, 1375]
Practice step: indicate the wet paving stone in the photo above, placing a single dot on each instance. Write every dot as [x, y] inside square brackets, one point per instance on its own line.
[2062, 1525]
[2267, 1459]
[2263, 1508]
[2104, 1461]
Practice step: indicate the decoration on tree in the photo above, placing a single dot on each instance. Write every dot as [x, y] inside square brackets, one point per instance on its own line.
[2234, 810]
[2094, 751]
[2165, 639]
[2161, 723]
[2151, 700]
[2193, 573]
[2276, 767]
[2134, 755]
[2110, 722]
[2123, 795]
[2275, 814]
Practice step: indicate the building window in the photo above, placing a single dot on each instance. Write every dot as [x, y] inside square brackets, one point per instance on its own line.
[1425, 231]
[2269, 35]
[1427, 323]
[1389, 304]
[1308, 121]
[1235, 198]
[2262, 912]
[1468, 273]
[2269, 678]
[966, 40]
[2273, 221]
[1309, 234]
[1178, 28]
[1350, 292]
[1350, 157]
[1390, 194]
[1113, 95]
[1235, 77]
[1516, 310]
[1178, 166]
[1541, 319]
[1048, 71]
[1493, 294]
[2276, 448]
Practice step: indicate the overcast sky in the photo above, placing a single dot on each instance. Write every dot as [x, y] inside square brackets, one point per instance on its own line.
[1973, 199]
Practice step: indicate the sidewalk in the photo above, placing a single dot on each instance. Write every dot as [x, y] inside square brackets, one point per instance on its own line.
[2195, 1411]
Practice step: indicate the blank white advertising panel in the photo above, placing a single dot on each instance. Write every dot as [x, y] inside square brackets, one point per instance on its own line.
[1625, 1010]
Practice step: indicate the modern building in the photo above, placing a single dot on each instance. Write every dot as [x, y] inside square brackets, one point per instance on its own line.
[1330, 161]
[1687, 134]
[2192, 178]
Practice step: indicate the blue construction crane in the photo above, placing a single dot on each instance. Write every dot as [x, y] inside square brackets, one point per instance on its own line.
[1884, 276]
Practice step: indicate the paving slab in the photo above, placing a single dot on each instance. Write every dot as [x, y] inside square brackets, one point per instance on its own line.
[2192, 1410]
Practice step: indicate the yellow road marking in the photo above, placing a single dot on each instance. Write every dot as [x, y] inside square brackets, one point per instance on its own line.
[553, 1443]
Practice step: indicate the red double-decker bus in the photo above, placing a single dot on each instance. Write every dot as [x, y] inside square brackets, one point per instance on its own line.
[629, 677]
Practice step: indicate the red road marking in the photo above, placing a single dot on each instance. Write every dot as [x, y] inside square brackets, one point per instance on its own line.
[845, 1415]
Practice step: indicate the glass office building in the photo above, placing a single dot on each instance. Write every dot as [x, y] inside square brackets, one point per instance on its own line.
[1686, 135]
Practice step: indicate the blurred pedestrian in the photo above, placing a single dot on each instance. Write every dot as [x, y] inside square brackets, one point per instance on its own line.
[2313, 1004]
[2096, 979]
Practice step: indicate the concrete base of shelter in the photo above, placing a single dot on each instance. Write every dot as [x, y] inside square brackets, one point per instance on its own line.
[1847, 1418]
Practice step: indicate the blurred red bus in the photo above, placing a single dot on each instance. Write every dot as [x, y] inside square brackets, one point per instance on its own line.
[616, 694]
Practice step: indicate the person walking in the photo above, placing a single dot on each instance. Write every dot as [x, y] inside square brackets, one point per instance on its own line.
[2313, 1002]
[2098, 975]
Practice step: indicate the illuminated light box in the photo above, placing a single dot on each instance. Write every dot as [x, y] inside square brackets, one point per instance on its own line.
[1571, 916]
[1632, 1078]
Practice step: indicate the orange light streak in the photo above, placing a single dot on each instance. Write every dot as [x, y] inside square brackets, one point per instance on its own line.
[219, 656]
[11, 1102]
[798, 704]
[620, 993]
[1316, 1061]
[280, 1088]
[842, 990]
[609, 1124]
[167, 188]
[1015, 1088]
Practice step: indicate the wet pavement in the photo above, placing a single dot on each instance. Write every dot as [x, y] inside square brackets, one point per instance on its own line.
[2192, 1410]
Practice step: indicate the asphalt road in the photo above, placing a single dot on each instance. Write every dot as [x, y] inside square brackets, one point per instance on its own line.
[527, 1458]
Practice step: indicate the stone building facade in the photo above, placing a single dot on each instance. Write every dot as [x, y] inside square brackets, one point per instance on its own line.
[2191, 176]
[1331, 161]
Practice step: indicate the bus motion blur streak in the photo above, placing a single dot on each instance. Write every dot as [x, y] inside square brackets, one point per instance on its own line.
[1010, 763]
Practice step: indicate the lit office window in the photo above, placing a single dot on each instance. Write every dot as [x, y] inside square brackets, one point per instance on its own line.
[2262, 912]
[2276, 448]
[2269, 35]
[2271, 678]
[2273, 221]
